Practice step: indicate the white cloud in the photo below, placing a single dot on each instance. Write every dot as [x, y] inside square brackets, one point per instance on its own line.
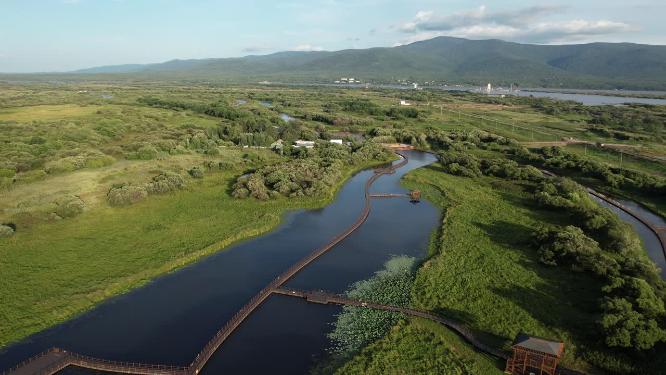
[307, 47]
[523, 25]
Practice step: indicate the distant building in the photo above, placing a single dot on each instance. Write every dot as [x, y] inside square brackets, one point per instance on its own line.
[415, 85]
[489, 88]
[336, 141]
[306, 144]
[404, 102]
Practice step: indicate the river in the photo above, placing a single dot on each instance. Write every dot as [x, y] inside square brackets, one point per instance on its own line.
[591, 99]
[650, 240]
[170, 319]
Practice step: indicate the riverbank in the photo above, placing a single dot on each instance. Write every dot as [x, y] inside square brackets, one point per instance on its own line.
[483, 271]
[55, 272]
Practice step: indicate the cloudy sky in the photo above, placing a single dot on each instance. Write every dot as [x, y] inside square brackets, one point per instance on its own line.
[60, 35]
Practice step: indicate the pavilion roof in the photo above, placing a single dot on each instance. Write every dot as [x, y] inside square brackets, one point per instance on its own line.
[539, 344]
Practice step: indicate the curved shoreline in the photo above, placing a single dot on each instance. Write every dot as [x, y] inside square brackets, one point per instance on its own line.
[661, 237]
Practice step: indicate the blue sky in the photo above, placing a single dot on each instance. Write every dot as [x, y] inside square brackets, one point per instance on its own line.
[60, 35]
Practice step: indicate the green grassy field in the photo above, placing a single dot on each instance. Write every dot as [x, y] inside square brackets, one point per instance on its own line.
[483, 271]
[614, 158]
[421, 347]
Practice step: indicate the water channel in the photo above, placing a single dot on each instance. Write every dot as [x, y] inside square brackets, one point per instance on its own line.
[169, 320]
[649, 238]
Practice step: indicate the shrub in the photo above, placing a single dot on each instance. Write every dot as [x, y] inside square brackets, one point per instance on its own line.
[67, 164]
[164, 183]
[6, 231]
[99, 161]
[632, 314]
[125, 195]
[147, 152]
[570, 246]
[70, 207]
[196, 172]
[460, 164]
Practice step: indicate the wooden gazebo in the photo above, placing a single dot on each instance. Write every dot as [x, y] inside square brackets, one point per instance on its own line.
[534, 355]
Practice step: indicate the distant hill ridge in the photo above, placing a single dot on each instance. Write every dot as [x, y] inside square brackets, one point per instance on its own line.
[453, 60]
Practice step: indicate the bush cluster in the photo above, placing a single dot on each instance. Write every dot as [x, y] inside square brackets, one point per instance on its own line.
[164, 183]
[127, 194]
[70, 207]
[196, 172]
[632, 308]
[6, 231]
[467, 165]
[311, 172]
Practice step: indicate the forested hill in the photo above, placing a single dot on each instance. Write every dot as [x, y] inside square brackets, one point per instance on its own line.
[453, 60]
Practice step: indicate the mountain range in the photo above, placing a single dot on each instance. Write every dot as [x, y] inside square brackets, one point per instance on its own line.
[442, 59]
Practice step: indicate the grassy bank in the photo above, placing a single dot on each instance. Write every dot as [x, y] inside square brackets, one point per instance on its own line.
[484, 272]
[54, 271]
[420, 347]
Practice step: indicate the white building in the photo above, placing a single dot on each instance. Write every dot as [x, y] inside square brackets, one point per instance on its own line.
[404, 102]
[306, 144]
[336, 141]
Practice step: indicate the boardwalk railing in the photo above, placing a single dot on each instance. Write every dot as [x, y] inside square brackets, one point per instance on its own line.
[659, 232]
[217, 340]
[346, 301]
[461, 330]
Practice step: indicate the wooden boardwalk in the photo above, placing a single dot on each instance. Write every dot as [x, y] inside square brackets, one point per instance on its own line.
[322, 297]
[337, 299]
[54, 360]
[389, 195]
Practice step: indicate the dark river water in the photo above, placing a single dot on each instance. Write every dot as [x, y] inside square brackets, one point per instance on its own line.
[650, 240]
[169, 320]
